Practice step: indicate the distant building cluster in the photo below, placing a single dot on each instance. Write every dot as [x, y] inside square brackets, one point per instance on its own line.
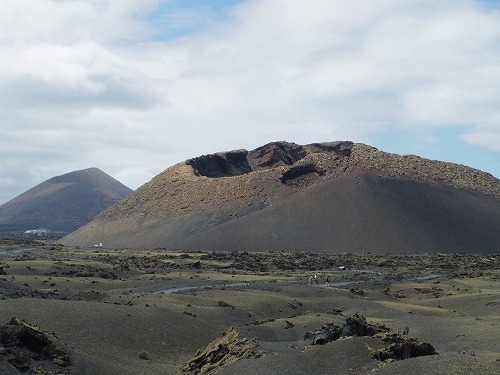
[38, 232]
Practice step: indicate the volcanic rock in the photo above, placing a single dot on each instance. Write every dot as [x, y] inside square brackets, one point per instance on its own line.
[23, 342]
[354, 326]
[397, 346]
[222, 351]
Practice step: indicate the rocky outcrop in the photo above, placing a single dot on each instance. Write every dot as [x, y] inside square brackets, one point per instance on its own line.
[222, 351]
[226, 164]
[340, 148]
[23, 343]
[400, 346]
[354, 326]
[276, 154]
[298, 173]
[397, 346]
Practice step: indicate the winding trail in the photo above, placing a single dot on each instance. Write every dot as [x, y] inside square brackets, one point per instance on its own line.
[167, 288]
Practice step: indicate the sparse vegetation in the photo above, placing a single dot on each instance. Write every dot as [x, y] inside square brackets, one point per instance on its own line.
[142, 321]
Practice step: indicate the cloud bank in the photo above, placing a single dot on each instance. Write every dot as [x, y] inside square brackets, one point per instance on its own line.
[108, 83]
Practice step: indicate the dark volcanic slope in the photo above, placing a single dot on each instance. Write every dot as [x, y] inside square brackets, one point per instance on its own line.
[336, 196]
[63, 203]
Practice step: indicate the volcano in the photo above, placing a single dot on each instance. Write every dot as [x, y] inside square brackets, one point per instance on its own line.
[61, 204]
[332, 197]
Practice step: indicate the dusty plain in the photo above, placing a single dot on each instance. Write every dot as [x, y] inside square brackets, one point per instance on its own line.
[149, 311]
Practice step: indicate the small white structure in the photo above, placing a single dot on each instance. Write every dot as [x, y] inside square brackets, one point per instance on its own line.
[36, 231]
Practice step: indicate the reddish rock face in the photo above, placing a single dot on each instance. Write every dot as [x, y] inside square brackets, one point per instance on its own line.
[276, 154]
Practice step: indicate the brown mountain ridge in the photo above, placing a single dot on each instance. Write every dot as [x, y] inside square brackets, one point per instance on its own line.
[61, 204]
[334, 197]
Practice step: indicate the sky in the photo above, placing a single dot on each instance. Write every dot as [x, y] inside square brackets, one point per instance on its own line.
[134, 87]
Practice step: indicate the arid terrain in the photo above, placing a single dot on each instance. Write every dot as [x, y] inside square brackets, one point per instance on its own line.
[94, 310]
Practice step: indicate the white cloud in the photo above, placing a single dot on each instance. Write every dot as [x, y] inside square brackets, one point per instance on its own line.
[71, 21]
[83, 84]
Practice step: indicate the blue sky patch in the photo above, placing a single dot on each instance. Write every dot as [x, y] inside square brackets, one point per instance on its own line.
[177, 18]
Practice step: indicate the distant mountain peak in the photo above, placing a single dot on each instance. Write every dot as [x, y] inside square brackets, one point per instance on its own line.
[62, 203]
